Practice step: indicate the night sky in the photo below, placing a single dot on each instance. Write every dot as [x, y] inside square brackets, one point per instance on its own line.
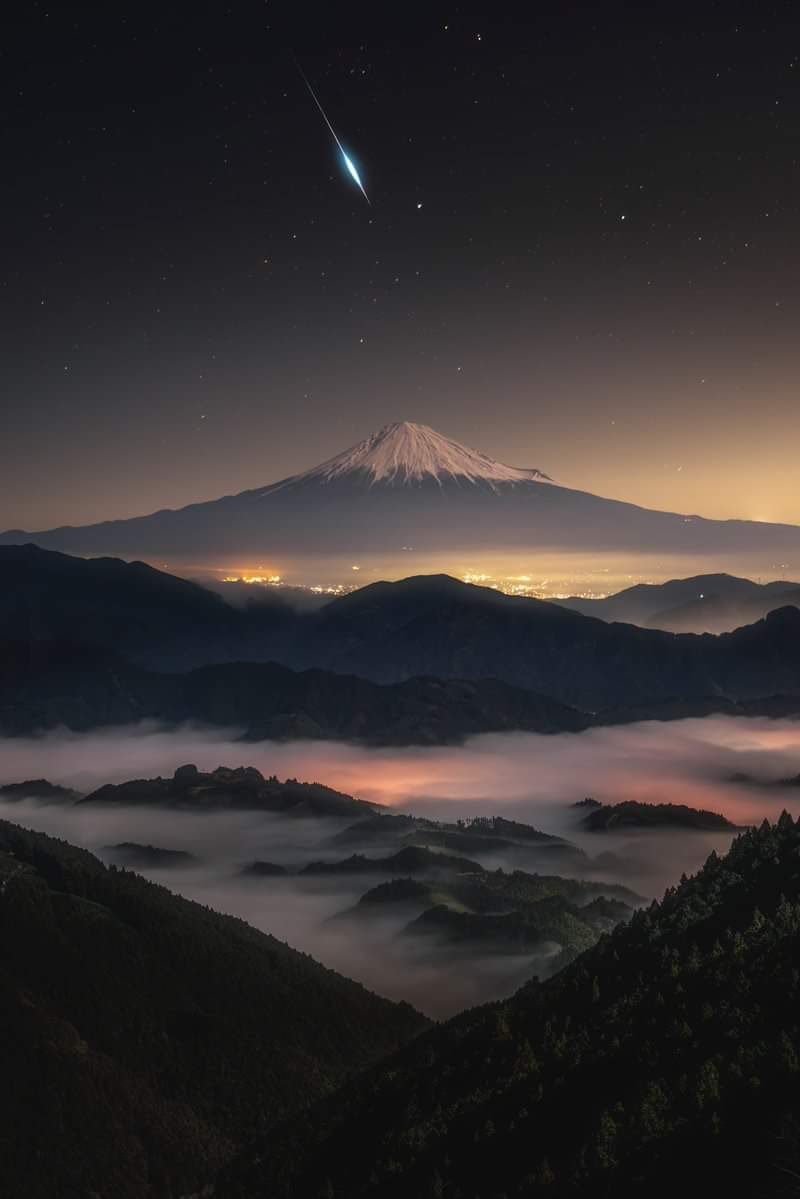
[581, 252]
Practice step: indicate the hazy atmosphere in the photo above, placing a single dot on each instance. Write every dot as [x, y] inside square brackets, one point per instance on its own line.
[530, 778]
[519, 775]
[400, 601]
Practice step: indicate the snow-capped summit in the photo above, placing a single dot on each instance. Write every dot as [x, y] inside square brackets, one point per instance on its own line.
[407, 489]
[409, 453]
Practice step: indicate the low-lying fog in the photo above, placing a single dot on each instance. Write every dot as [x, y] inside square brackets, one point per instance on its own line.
[527, 777]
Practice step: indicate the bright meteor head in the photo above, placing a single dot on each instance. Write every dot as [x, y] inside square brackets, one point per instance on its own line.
[348, 162]
[351, 166]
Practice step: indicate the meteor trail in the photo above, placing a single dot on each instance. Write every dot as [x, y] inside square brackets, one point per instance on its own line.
[348, 162]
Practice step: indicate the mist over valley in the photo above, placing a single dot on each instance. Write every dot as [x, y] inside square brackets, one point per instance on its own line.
[533, 780]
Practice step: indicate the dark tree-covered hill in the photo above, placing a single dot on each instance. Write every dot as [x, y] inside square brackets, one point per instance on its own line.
[415, 630]
[631, 815]
[144, 1038]
[664, 1060]
[45, 685]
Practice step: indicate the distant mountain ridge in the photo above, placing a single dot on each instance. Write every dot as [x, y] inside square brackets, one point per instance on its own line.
[438, 626]
[704, 604]
[46, 685]
[458, 659]
[407, 485]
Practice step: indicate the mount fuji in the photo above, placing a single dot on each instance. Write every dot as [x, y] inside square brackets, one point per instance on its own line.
[408, 486]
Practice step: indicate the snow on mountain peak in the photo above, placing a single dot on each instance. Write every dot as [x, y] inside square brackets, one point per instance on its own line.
[410, 453]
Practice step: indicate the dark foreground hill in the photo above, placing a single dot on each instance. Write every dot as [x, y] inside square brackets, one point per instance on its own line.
[145, 1039]
[664, 1060]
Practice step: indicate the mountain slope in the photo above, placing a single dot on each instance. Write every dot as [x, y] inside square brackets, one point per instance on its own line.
[139, 611]
[46, 685]
[407, 453]
[664, 1058]
[434, 625]
[703, 604]
[145, 1037]
[412, 632]
[715, 614]
[406, 485]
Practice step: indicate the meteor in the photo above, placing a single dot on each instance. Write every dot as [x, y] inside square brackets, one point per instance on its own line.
[348, 162]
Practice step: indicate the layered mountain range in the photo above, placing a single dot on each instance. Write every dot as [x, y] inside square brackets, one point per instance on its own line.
[407, 486]
[427, 659]
[710, 603]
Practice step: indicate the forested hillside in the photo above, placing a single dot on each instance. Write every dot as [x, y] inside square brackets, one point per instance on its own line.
[663, 1060]
[145, 1039]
